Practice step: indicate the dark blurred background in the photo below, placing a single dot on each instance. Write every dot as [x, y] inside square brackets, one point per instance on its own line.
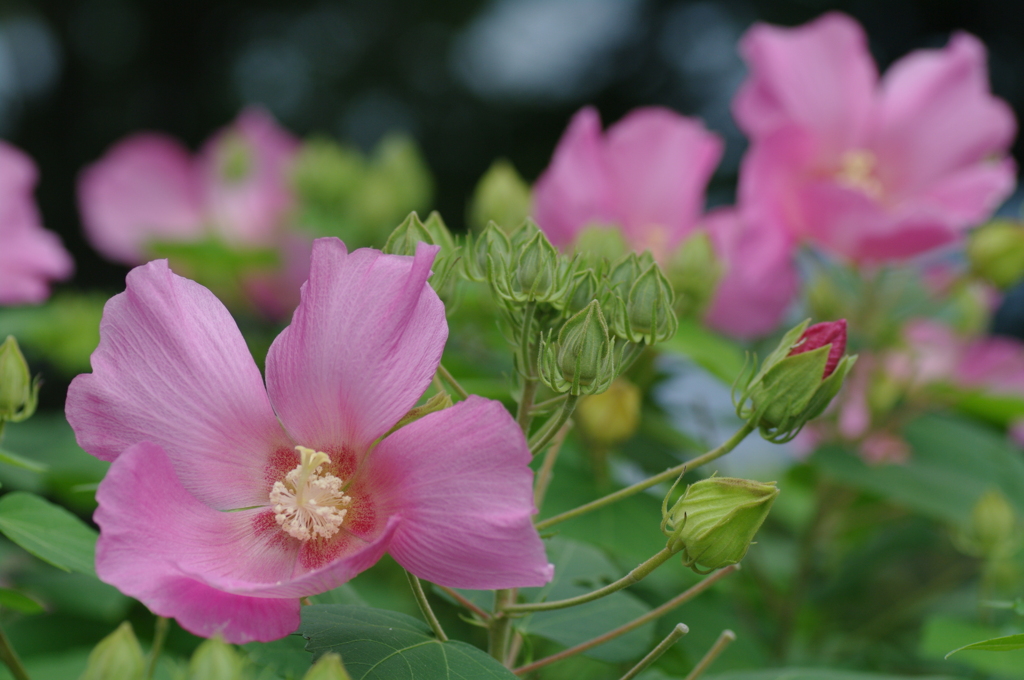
[471, 80]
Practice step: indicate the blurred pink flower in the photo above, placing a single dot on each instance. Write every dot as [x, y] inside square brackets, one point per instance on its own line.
[646, 176]
[318, 488]
[149, 187]
[866, 168]
[759, 278]
[30, 256]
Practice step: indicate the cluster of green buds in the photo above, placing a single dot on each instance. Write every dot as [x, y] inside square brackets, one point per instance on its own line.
[797, 381]
[19, 393]
[714, 522]
[412, 231]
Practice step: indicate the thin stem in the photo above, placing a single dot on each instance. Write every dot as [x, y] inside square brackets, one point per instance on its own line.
[501, 625]
[679, 631]
[723, 641]
[650, 481]
[450, 379]
[10, 658]
[514, 648]
[639, 573]
[428, 613]
[468, 604]
[547, 468]
[159, 635]
[652, 615]
[542, 406]
[633, 354]
[550, 428]
[523, 416]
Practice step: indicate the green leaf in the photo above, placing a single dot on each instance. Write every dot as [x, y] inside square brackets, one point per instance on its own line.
[20, 602]
[816, 674]
[580, 568]
[48, 531]
[21, 462]
[381, 645]
[1006, 643]
[943, 633]
[717, 354]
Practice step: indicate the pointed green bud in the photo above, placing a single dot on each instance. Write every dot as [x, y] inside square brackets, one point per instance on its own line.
[412, 231]
[523, 233]
[18, 392]
[994, 530]
[117, 657]
[582, 360]
[624, 274]
[715, 520]
[406, 235]
[584, 291]
[488, 250]
[216, 660]
[996, 252]
[326, 174]
[537, 268]
[649, 315]
[694, 272]
[501, 196]
[600, 241]
[327, 667]
[797, 381]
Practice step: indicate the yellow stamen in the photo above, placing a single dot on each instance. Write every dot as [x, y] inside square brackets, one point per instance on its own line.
[857, 171]
[309, 503]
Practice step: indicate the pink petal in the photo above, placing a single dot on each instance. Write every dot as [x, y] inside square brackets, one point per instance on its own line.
[819, 76]
[575, 190]
[248, 210]
[460, 480]
[760, 278]
[276, 294]
[150, 526]
[660, 164]
[969, 196]
[938, 117]
[172, 368]
[144, 189]
[362, 347]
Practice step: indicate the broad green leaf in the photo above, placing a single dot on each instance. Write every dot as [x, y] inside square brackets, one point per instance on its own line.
[943, 633]
[580, 568]
[719, 355]
[48, 531]
[73, 594]
[287, 657]
[21, 462]
[953, 462]
[381, 645]
[20, 602]
[1007, 643]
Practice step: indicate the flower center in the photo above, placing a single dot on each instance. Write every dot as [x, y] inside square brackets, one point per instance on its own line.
[309, 503]
[857, 171]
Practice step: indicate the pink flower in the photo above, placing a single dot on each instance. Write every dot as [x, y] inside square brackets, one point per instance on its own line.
[759, 278]
[179, 406]
[30, 256]
[866, 168]
[150, 188]
[646, 176]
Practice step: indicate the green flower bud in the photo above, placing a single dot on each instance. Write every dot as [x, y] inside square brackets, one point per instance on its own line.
[327, 174]
[117, 657]
[648, 314]
[600, 241]
[536, 273]
[715, 520]
[582, 361]
[18, 392]
[996, 252]
[501, 196]
[537, 268]
[994, 530]
[328, 667]
[216, 660]
[584, 291]
[522, 234]
[797, 380]
[694, 272]
[406, 235]
[412, 231]
[490, 250]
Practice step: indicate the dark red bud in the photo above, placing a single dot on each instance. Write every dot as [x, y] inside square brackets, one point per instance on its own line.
[821, 334]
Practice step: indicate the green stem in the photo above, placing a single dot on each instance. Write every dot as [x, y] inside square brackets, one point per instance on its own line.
[428, 613]
[526, 357]
[652, 615]
[650, 481]
[457, 596]
[540, 439]
[498, 633]
[547, 468]
[542, 406]
[10, 658]
[638, 574]
[679, 631]
[159, 635]
[632, 355]
[450, 379]
[723, 641]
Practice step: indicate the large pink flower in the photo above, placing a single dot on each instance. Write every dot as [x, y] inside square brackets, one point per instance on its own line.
[30, 256]
[646, 176]
[150, 188]
[870, 169]
[759, 278]
[316, 487]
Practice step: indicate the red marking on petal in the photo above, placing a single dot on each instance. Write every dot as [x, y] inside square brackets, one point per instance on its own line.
[280, 463]
[264, 523]
[318, 552]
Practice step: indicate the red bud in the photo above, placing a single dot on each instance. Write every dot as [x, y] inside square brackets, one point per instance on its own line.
[820, 334]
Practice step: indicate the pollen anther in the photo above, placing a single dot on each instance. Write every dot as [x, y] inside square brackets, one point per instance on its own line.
[309, 503]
